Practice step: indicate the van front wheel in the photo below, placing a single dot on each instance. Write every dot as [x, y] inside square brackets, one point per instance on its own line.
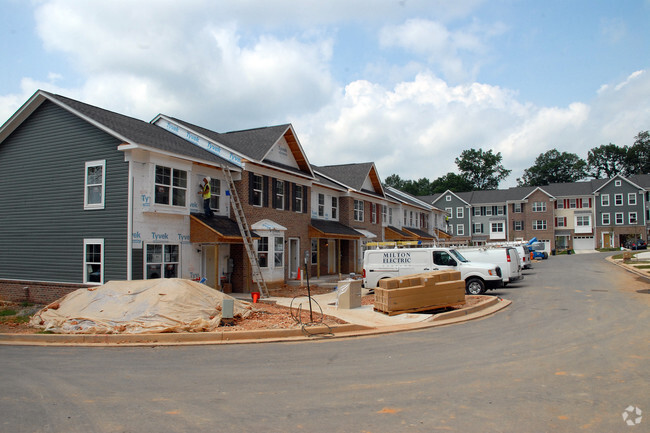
[475, 286]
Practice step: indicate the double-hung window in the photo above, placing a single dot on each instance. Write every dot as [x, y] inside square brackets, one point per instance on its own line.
[477, 228]
[460, 213]
[518, 225]
[604, 200]
[215, 193]
[460, 229]
[321, 205]
[335, 208]
[632, 218]
[258, 187]
[539, 206]
[297, 198]
[263, 252]
[170, 186]
[517, 208]
[618, 199]
[583, 221]
[605, 220]
[162, 261]
[539, 225]
[619, 218]
[497, 227]
[94, 184]
[373, 213]
[279, 194]
[631, 199]
[358, 210]
[93, 261]
[278, 252]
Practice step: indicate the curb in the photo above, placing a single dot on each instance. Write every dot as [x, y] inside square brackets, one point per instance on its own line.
[318, 332]
[628, 268]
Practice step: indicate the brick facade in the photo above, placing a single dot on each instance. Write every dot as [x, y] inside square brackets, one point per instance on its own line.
[35, 292]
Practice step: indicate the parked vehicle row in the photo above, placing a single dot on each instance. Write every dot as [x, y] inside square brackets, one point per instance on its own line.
[482, 269]
[636, 244]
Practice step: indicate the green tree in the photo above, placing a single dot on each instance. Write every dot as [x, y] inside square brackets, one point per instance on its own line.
[482, 169]
[607, 160]
[450, 181]
[638, 155]
[395, 181]
[554, 167]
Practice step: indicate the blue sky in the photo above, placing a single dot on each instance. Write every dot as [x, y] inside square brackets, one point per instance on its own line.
[407, 84]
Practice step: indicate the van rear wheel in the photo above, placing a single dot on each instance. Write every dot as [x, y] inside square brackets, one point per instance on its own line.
[475, 286]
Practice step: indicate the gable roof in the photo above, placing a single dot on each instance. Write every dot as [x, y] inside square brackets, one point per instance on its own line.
[618, 176]
[353, 176]
[540, 189]
[407, 198]
[129, 130]
[462, 196]
[252, 144]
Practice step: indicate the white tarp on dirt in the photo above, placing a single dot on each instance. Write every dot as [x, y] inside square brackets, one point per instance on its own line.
[131, 307]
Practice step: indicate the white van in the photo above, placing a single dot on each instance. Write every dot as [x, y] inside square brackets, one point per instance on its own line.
[506, 258]
[393, 262]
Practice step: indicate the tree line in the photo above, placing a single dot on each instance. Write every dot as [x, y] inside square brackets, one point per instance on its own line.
[483, 170]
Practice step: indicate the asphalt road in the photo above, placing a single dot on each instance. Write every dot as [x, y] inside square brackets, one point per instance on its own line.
[570, 354]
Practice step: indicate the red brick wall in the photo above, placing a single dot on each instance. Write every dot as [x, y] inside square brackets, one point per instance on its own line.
[529, 216]
[347, 216]
[35, 292]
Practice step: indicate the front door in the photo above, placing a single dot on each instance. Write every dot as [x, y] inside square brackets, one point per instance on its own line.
[331, 256]
[607, 240]
[294, 257]
[210, 265]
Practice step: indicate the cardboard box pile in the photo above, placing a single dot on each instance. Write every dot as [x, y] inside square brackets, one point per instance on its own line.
[419, 292]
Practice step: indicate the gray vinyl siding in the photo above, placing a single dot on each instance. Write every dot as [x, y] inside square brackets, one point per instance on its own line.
[43, 223]
[612, 209]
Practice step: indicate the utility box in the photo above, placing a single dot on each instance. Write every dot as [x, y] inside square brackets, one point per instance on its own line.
[349, 294]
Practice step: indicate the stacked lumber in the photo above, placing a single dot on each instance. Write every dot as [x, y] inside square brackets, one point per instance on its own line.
[419, 292]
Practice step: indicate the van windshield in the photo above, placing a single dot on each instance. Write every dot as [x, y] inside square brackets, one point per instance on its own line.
[458, 256]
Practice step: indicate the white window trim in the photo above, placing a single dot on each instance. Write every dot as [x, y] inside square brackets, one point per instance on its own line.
[629, 218]
[617, 183]
[94, 206]
[538, 226]
[631, 195]
[460, 212]
[101, 264]
[616, 196]
[448, 198]
[616, 218]
[358, 212]
[460, 229]
[609, 219]
[604, 200]
[261, 191]
[163, 262]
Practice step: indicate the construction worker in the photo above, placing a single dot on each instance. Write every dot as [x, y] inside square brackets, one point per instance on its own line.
[206, 194]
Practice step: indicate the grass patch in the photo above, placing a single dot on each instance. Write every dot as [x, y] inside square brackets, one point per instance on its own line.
[642, 266]
[8, 312]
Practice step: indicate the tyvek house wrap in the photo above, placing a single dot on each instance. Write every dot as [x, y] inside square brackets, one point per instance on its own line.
[142, 306]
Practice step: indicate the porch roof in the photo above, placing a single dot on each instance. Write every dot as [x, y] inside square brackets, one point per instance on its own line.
[332, 229]
[217, 229]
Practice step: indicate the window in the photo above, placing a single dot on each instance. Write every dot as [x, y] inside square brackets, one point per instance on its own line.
[94, 185]
[93, 261]
[314, 251]
[321, 205]
[476, 211]
[373, 213]
[263, 252]
[278, 257]
[170, 186]
[583, 221]
[539, 225]
[585, 203]
[572, 203]
[384, 213]
[499, 210]
[460, 229]
[162, 261]
[618, 217]
[448, 198]
[390, 215]
[459, 212]
[631, 199]
[477, 228]
[539, 206]
[560, 222]
[632, 218]
[488, 210]
[278, 198]
[618, 199]
[604, 200]
[605, 219]
[358, 210]
[560, 204]
[215, 193]
[617, 182]
[335, 207]
[449, 211]
[258, 184]
[496, 227]
[405, 217]
[518, 208]
[297, 198]
[411, 219]
[518, 225]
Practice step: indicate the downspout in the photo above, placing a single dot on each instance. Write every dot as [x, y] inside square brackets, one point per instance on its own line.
[129, 227]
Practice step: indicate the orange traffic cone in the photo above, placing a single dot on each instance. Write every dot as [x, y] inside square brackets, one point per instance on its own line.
[255, 296]
[298, 276]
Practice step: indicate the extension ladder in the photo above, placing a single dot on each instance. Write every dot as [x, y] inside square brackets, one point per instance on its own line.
[256, 272]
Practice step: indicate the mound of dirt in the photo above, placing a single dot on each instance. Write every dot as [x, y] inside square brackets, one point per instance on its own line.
[162, 305]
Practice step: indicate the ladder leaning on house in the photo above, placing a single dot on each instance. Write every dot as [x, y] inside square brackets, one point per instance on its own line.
[256, 272]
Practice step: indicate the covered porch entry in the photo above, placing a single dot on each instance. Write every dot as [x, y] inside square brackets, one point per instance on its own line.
[334, 248]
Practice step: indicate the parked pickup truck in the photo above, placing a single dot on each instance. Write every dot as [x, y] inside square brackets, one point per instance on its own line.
[394, 262]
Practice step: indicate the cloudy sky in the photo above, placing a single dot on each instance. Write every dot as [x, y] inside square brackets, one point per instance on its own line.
[408, 84]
